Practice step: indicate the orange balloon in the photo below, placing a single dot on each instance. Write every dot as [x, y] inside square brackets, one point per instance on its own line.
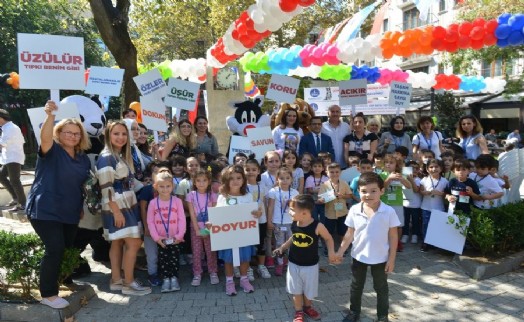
[135, 106]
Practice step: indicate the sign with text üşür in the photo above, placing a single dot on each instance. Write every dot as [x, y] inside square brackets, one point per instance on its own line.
[153, 113]
[353, 92]
[50, 62]
[261, 141]
[400, 95]
[233, 226]
[282, 88]
[182, 94]
[104, 81]
[151, 84]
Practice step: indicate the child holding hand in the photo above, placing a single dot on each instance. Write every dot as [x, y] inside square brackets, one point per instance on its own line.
[167, 224]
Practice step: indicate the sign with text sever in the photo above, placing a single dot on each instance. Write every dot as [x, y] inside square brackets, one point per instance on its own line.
[233, 226]
[353, 92]
[50, 62]
[151, 83]
[400, 95]
[282, 88]
[153, 113]
[104, 81]
[182, 94]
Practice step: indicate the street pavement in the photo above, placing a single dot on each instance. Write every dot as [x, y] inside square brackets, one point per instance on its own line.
[424, 287]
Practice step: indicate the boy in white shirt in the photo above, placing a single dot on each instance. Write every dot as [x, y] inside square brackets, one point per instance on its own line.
[490, 190]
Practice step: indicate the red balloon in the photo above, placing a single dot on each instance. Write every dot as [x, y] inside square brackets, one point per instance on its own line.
[477, 44]
[451, 35]
[453, 27]
[464, 41]
[465, 28]
[244, 16]
[235, 34]
[479, 22]
[437, 44]
[452, 47]
[439, 32]
[242, 29]
[477, 33]
[490, 40]
[491, 25]
[287, 5]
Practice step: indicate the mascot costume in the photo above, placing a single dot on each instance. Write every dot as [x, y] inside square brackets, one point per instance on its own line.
[248, 115]
[90, 227]
[304, 112]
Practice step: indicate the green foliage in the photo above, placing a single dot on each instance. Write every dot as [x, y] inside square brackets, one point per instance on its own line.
[448, 112]
[493, 230]
[20, 257]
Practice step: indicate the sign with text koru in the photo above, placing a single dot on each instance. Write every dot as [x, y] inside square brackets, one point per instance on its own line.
[282, 88]
[353, 92]
[50, 62]
[104, 81]
[151, 84]
[400, 94]
[182, 94]
[233, 226]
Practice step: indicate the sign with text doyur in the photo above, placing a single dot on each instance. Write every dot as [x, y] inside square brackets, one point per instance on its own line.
[261, 141]
[233, 227]
[238, 144]
[104, 81]
[153, 113]
[400, 95]
[37, 116]
[182, 94]
[353, 92]
[50, 62]
[151, 84]
[282, 88]
[443, 234]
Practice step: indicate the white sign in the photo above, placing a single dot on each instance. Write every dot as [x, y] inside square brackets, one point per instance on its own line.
[261, 141]
[50, 62]
[320, 98]
[233, 226]
[444, 235]
[153, 113]
[377, 91]
[238, 144]
[104, 81]
[400, 94]
[151, 83]
[282, 88]
[37, 116]
[182, 94]
[353, 92]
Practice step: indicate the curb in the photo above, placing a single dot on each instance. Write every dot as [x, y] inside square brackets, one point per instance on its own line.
[481, 271]
[38, 312]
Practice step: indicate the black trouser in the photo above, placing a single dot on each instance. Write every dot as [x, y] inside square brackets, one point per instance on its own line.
[94, 238]
[56, 237]
[13, 185]
[168, 261]
[380, 284]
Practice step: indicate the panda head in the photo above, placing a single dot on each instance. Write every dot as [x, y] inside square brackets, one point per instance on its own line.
[91, 114]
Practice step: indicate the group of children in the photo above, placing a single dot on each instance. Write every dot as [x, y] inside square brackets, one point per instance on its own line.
[368, 205]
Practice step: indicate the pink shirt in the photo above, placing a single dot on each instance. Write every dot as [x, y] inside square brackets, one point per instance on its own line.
[200, 204]
[176, 224]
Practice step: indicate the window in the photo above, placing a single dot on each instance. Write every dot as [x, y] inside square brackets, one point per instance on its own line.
[385, 25]
[423, 69]
[442, 5]
[494, 68]
[411, 19]
[441, 69]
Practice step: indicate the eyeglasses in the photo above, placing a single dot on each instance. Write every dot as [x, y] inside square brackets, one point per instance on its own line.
[70, 134]
[135, 129]
[185, 126]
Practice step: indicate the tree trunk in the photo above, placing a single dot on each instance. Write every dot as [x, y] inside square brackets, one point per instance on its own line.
[112, 23]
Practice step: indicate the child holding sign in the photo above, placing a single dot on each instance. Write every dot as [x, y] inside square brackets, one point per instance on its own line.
[167, 224]
[198, 201]
[232, 192]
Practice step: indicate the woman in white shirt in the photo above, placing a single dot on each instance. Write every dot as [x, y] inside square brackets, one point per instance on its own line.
[287, 135]
[427, 138]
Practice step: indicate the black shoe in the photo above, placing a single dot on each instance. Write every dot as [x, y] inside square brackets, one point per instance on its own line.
[81, 271]
[383, 319]
[352, 317]
[424, 248]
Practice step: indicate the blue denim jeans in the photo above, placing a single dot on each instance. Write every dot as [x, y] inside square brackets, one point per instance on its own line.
[426, 214]
[319, 213]
[412, 216]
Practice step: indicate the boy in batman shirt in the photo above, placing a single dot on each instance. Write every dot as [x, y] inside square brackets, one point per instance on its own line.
[303, 269]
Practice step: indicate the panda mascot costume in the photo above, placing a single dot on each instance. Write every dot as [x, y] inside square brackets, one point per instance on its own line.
[90, 230]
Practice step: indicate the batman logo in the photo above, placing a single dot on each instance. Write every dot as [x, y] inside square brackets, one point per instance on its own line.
[302, 240]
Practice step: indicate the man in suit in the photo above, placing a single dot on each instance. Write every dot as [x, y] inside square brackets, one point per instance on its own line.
[315, 141]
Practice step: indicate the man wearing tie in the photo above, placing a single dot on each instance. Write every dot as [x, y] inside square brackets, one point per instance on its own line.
[315, 142]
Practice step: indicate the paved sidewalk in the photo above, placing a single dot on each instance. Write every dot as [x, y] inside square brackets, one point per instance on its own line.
[424, 287]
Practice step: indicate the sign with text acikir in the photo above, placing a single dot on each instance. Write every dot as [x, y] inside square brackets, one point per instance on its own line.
[37, 116]
[151, 84]
[153, 113]
[233, 226]
[261, 141]
[238, 144]
[353, 92]
[400, 94]
[50, 62]
[182, 94]
[282, 88]
[104, 81]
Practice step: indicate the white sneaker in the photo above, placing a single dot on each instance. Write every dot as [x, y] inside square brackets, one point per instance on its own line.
[136, 289]
[414, 239]
[196, 280]
[175, 286]
[236, 271]
[263, 271]
[166, 286]
[57, 303]
[404, 239]
[250, 274]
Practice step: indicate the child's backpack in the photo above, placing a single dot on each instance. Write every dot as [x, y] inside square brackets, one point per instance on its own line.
[93, 194]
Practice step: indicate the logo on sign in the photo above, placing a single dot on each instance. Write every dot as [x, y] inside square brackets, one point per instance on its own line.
[314, 92]
[314, 106]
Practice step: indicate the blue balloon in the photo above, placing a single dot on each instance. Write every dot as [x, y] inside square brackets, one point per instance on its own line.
[502, 31]
[503, 18]
[515, 38]
[516, 21]
[502, 43]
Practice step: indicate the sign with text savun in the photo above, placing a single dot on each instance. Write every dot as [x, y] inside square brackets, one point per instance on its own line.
[50, 62]
[233, 226]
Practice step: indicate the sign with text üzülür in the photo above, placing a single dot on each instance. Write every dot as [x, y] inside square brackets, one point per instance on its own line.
[182, 94]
